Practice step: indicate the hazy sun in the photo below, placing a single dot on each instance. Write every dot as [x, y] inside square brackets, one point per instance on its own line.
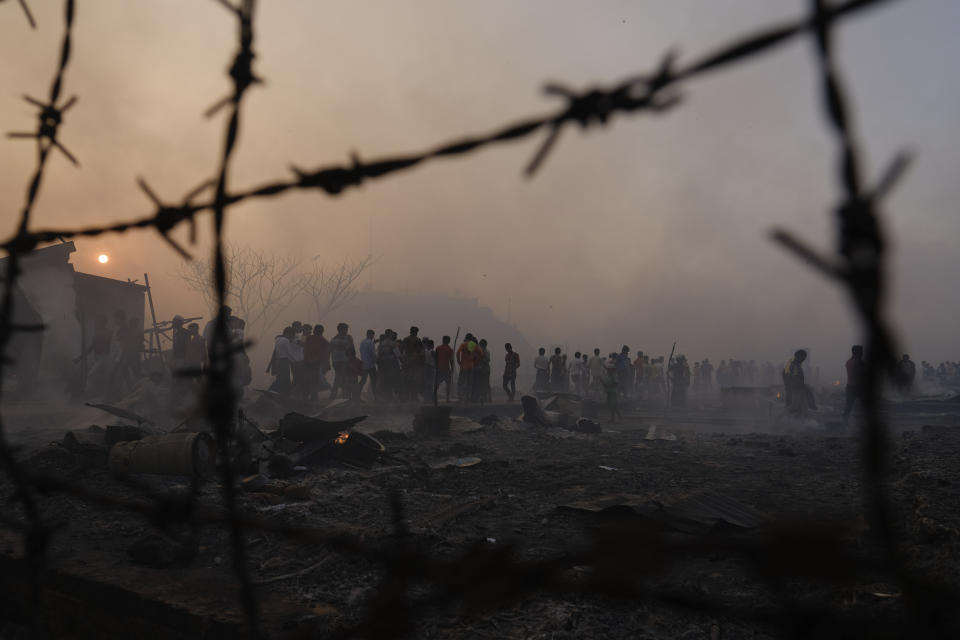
[103, 258]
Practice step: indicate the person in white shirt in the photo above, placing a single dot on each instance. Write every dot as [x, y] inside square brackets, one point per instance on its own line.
[286, 351]
[597, 370]
[576, 374]
[542, 365]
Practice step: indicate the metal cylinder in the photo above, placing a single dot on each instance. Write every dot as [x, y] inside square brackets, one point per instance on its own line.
[172, 454]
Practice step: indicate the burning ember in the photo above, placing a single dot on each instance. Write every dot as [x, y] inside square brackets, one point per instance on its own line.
[836, 383]
[342, 438]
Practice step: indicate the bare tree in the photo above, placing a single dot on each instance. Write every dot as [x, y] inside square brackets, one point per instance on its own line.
[260, 285]
[329, 288]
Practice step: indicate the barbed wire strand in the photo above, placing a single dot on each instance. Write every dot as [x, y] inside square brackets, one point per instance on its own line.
[36, 533]
[859, 265]
[597, 106]
[221, 398]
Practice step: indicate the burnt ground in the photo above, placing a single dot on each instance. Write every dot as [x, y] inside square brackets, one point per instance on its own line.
[512, 508]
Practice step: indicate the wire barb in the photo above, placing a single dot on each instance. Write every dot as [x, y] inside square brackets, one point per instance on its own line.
[27, 13]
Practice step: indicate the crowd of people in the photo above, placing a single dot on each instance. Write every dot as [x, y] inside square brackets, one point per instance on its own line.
[305, 363]
[945, 373]
[193, 352]
[642, 375]
[415, 367]
[390, 368]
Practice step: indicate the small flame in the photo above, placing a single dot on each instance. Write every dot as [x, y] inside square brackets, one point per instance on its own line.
[778, 395]
[342, 437]
[836, 383]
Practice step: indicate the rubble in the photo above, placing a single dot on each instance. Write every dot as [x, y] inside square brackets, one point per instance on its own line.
[122, 413]
[253, 483]
[280, 466]
[247, 430]
[161, 551]
[432, 420]
[460, 425]
[585, 425]
[86, 441]
[459, 463]
[301, 428]
[506, 483]
[694, 513]
[178, 454]
[360, 449]
[558, 410]
[122, 433]
[654, 434]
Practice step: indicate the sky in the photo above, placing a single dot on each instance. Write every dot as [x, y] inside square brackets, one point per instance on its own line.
[651, 230]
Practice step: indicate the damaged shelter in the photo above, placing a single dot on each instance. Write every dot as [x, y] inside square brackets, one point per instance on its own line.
[50, 292]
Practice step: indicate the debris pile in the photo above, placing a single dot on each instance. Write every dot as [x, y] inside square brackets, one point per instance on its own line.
[189, 450]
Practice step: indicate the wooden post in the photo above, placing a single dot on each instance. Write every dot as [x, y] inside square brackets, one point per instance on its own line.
[153, 316]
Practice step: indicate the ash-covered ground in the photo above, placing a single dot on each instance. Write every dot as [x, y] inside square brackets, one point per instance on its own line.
[647, 529]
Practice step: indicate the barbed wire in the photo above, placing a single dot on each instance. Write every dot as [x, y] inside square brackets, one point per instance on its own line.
[648, 92]
[36, 534]
[220, 399]
[487, 577]
[26, 12]
[860, 266]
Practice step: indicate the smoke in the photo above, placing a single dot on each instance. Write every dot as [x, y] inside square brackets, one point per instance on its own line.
[49, 290]
[649, 231]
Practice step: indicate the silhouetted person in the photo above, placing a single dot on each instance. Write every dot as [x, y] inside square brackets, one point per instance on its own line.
[195, 351]
[542, 366]
[576, 373]
[368, 356]
[624, 370]
[388, 365]
[412, 349]
[706, 375]
[444, 358]
[557, 371]
[316, 362]
[481, 385]
[906, 374]
[511, 362]
[796, 394]
[466, 361]
[429, 378]
[679, 373]
[208, 331]
[597, 372]
[178, 352]
[856, 369]
[351, 372]
[285, 352]
[338, 357]
[610, 381]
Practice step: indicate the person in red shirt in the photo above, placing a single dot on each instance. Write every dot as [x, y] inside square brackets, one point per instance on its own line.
[511, 364]
[444, 355]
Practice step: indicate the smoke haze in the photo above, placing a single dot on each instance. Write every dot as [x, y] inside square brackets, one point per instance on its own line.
[649, 231]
